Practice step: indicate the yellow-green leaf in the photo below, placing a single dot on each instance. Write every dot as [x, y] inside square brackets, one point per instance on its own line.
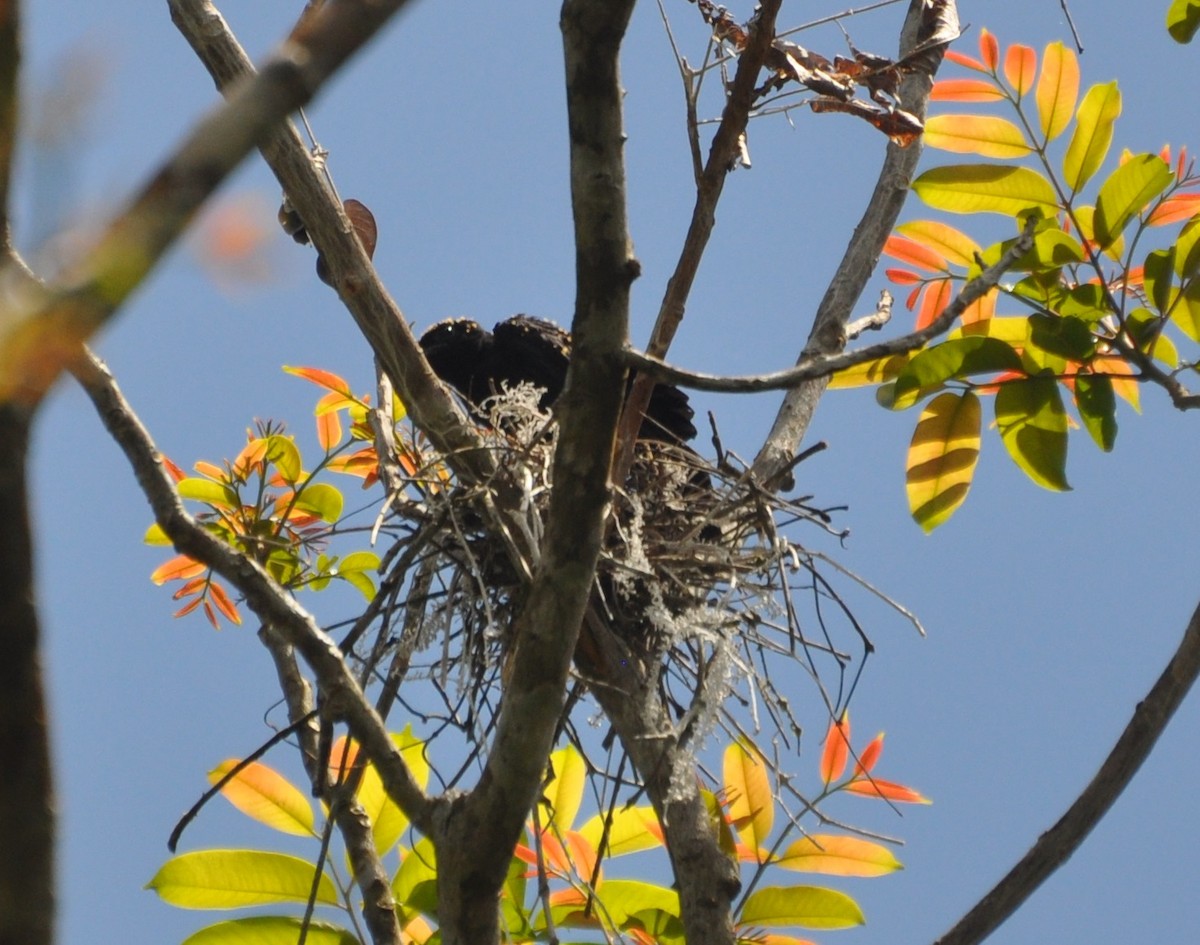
[951, 243]
[1186, 313]
[878, 371]
[1097, 408]
[986, 188]
[228, 879]
[942, 458]
[748, 791]
[622, 898]
[262, 793]
[984, 135]
[1183, 19]
[156, 536]
[271, 930]
[632, 829]
[810, 907]
[1057, 89]
[320, 499]
[564, 791]
[1093, 134]
[1033, 426]
[954, 358]
[283, 453]
[838, 856]
[415, 883]
[205, 490]
[1127, 192]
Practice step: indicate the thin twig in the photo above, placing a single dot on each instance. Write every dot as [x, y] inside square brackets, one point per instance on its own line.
[1056, 845]
[823, 365]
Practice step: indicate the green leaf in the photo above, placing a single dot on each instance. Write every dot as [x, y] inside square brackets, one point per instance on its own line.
[270, 930]
[1186, 313]
[205, 490]
[415, 883]
[1145, 328]
[1158, 270]
[1097, 408]
[811, 907]
[1093, 134]
[1187, 250]
[1033, 427]
[986, 188]
[942, 457]
[1183, 19]
[1066, 336]
[320, 499]
[227, 879]
[1127, 192]
[957, 358]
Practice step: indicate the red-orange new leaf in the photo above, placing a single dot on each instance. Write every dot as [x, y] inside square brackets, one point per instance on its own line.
[888, 790]
[837, 749]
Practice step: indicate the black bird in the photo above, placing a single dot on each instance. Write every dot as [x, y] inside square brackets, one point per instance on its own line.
[480, 364]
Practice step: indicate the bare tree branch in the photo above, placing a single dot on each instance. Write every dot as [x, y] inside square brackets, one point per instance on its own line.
[26, 781]
[344, 698]
[42, 330]
[721, 157]
[476, 838]
[10, 60]
[926, 19]
[1055, 846]
[823, 365]
[375, 312]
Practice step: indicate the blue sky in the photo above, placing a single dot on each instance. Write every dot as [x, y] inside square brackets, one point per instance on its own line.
[1049, 615]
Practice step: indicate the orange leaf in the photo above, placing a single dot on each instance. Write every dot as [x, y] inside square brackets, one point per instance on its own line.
[982, 309]
[888, 790]
[1057, 89]
[936, 297]
[191, 587]
[209, 471]
[361, 463]
[965, 90]
[1121, 374]
[251, 456]
[172, 470]
[1020, 67]
[1175, 208]
[329, 430]
[837, 749]
[262, 793]
[177, 569]
[211, 615]
[342, 758]
[952, 244]
[223, 603]
[321, 378]
[188, 607]
[902, 276]
[869, 755]
[1181, 165]
[989, 50]
[964, 60]
[915, 254]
